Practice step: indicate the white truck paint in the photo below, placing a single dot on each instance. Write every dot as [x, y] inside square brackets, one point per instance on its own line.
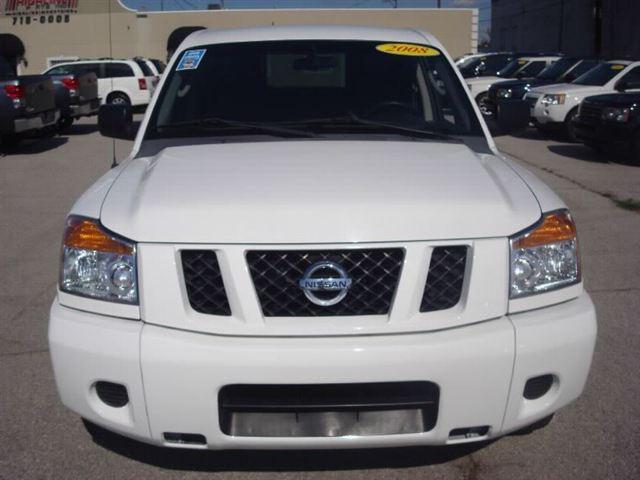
[318, 195]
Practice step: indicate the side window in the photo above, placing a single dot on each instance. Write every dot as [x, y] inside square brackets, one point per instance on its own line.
[118, 70]
[89, 67]
[632, 77]
[62, 70]
[496, 62]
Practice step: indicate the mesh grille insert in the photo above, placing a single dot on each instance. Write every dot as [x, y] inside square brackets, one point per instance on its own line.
[203, 280]
[445, 278]
[374, 274]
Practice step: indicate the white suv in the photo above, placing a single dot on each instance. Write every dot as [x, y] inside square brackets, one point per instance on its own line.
[555, 106]
[315, 244]
[121, 82]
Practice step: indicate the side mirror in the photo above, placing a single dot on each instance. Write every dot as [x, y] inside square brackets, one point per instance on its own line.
[621, 86]
[116, 121]
[512, 116]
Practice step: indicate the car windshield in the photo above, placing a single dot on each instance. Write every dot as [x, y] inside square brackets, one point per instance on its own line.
[512, 67]
[311, 87]
[601, 74]
[556, 69]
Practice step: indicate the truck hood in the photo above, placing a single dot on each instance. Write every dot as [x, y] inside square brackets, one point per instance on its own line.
[571, 89]
[317, 192]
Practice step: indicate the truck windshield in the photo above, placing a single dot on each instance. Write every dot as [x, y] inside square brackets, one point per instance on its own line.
[600, 75]
[511, 68]
[312, 86]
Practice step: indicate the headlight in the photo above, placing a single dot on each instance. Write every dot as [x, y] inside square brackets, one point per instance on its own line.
[614, 114]
[545, 257]
[97, 264]
[554, 99]
[504, 93]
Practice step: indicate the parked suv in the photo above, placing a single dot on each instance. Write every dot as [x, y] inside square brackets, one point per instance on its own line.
[611, 122]
[121, 82]
[556, 106]
[315, 244]
[564, 70]
[484, 65]
[523, 67]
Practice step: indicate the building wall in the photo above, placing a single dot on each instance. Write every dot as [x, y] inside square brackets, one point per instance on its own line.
[527, 25]
[539, 25]
[86, 31]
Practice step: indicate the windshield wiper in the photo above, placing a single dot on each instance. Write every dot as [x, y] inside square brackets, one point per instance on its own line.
[216, 122]
[351, 119]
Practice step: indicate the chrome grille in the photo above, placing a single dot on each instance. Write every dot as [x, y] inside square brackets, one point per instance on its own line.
[374, 273]
[445, 278]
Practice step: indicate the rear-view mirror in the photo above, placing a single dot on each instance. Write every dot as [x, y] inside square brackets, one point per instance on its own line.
[512, 116]
[116, 121]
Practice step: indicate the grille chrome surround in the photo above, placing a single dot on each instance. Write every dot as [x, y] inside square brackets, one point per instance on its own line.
[445, 279]
[375, 274]
[205, 287]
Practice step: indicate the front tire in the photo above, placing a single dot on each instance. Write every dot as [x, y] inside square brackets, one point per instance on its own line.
[485, 109]
[569, 129]
[64, 123]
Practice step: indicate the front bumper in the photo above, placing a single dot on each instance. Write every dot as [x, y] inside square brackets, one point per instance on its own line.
[605, 133]
[173, 377]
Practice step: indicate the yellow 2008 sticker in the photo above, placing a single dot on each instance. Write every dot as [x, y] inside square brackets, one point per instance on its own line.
[617, 67]
[408, 49]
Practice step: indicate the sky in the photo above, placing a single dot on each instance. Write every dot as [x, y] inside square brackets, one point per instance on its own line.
[484, 6]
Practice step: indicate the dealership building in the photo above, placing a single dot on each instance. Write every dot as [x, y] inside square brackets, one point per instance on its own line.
[36, 34]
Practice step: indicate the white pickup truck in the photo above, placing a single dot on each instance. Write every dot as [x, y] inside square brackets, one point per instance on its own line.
[556, 106]
[316, 244]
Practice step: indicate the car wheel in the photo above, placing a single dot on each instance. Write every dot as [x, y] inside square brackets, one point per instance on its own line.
[118, 99]
[483, 105]
[10, 141]
[569, 129]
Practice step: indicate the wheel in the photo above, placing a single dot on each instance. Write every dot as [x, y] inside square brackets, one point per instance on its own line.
[483, 105]
[569, 129]
[64, 123]
[118, 98]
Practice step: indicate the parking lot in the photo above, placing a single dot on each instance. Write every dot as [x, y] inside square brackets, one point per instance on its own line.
[597, 437]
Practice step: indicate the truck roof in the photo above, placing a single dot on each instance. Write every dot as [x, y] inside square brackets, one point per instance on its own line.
[308, 32]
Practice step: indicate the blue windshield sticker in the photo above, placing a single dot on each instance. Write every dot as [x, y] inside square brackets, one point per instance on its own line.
[190, 60]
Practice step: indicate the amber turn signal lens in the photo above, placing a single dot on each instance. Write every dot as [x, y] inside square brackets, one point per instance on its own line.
[555, 227]
[82, 233]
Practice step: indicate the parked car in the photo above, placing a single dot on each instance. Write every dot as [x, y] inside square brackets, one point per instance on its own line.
[159, 64]
[149, 70]
[483, 65]
[76, 92]
[611, 122]
[523, 67]
[554, 107]
[314, 243]
[564, 70]
[27, 105]
[156, 66]
[119, 81]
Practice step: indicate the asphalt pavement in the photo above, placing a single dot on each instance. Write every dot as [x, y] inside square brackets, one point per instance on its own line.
[597, 437]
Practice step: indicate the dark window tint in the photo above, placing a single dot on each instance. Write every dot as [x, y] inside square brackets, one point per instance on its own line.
[601, 74]
[304, 82]
[118, 70]
[633, 76]
[61, 70]
[497, 62]
[584, 67]
[556, 69]
[89, 67]
[532, 69]
[145, 68]
[160, 66]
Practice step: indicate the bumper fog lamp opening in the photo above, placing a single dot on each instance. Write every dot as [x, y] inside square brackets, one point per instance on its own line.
[538, 387]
